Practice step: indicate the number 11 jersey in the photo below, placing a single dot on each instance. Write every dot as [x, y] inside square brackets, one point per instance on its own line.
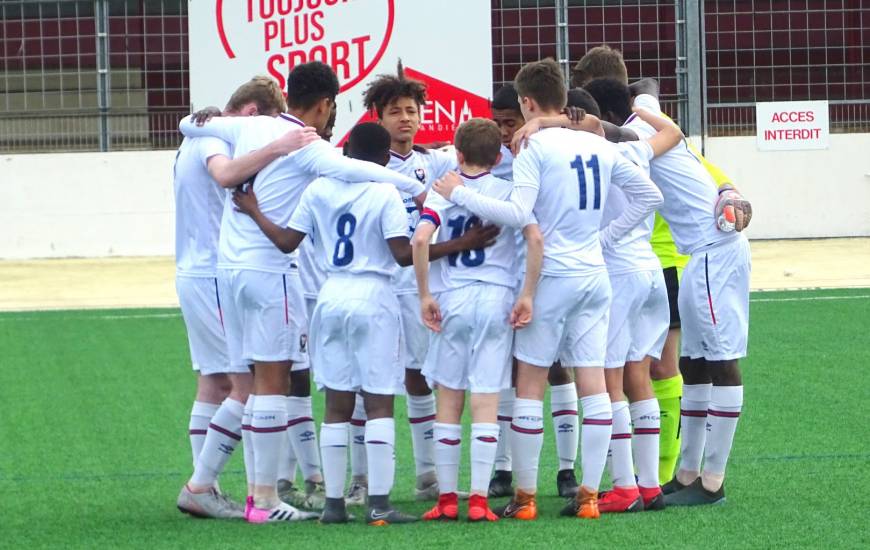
[349, 225]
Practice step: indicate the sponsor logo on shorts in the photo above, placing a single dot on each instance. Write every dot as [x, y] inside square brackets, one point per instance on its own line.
[303, 343]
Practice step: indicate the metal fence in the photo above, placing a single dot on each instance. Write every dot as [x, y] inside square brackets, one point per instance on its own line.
[781, 50]
[81, 75]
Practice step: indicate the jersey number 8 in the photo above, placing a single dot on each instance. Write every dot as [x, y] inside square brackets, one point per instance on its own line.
[345, 227]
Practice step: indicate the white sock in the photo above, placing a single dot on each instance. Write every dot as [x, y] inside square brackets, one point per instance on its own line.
[693, 425]
[421, 416]
[359, 466]
[224, 433]
[268, 436]
[621, 467]
[448, 450]
[563, 406]
[484, 441]
[595, 436]
[505, 417]
[247, 445]
[287, 465]
[726, 402]
[380, 450]
[527, 437]
[333, 446]
[200, 416]
[646, 418]
[303, 436]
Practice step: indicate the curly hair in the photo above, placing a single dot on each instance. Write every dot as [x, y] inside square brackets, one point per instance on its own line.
[388, 88]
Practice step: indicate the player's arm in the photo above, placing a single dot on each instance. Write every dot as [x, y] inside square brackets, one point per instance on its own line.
[521, 314]
[431, 313]
[232, 172]
[226, 128]
[643, 196]
[476, 238]
[322, 159]
[286, 239]
[668, 134]
[573, 118]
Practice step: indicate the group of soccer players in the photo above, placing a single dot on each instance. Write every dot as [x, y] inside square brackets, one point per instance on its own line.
[543, 249]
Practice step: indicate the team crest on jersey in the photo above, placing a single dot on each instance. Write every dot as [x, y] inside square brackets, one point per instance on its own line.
[421, 174]
[303, 343]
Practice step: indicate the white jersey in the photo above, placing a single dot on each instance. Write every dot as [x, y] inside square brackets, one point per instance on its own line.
[496, 264]
[350, 225]
[505, 167]
[279, 186]
[689, 191]
[563, 178]
[633, 252]
[425, 168]
[199, 203]
[311, 269]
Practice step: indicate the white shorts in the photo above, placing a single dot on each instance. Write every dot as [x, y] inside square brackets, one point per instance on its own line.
[714, 302]
[639, 317]
[356, 336]
[416, 335]
[569, 322]
[200, 300]
[265, 317]
[473, 350]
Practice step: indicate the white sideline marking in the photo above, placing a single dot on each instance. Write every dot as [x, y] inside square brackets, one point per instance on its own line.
[811, 298]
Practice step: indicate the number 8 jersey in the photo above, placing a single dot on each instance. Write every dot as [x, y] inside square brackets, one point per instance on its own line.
[496, 264]
[350, 224]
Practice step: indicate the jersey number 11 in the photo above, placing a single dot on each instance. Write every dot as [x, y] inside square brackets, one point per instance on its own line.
[592, 164]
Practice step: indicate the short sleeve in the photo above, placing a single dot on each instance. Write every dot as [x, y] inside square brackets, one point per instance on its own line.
[211, 147]
[394, 217]
[648, 102]
[302, 219]
[434, 209]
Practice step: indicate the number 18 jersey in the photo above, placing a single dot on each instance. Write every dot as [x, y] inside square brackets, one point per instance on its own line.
[349, 225]
[496, 264]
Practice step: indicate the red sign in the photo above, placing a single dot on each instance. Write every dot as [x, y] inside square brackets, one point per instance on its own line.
[445, 109]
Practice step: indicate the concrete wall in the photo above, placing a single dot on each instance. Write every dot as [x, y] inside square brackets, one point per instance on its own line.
[121, 204]
[86, 204]
[797, 194]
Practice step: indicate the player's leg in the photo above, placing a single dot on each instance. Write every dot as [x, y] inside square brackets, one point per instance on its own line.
[419, 398]
[448, 452]
[484, 439]
[211, 390]
[501, 484]
[334, 432]
[667, 382]
[725, 331]
[624, 496]
[646, 423]
[585, 348]
[356, 493]
[563, 408]
[302, 437]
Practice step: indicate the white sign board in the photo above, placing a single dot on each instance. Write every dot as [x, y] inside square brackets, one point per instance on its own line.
[792, 125]
[233, 40]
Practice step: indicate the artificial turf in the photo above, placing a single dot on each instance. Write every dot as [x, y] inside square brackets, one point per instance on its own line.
[93, 433]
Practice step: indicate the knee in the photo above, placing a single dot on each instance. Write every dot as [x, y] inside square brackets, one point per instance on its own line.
[415, 383]
[694, 371]
[559, 375]
[725, 373]
[300, 383]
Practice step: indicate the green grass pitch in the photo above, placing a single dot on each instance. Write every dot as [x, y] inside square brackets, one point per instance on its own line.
[93, 445]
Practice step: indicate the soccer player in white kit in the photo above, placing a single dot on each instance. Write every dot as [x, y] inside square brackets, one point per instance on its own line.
[471, 344]
[563, 176]
[360, 234]
[397, 101]
[268, 319]
[222, 388]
